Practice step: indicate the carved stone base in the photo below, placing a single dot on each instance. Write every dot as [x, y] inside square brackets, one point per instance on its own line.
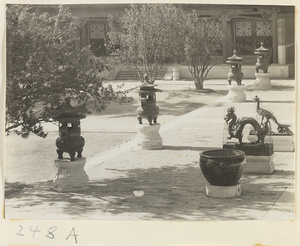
[259, 164]
[71, 175]
[148, 137]
[262, 81]
[281, 143]
[223, 191]
[252, 148]
[236, 93]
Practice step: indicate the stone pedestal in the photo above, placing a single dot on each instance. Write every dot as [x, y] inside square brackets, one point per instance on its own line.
[148, 137]
[259, 158]
[176, 74]
[281, 143]
[259, 164]
[71, 175]
[223, 191]
[262, 81]
[251, 148]
[236, 93]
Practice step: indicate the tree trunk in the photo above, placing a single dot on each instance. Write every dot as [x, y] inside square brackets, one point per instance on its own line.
[199, 83]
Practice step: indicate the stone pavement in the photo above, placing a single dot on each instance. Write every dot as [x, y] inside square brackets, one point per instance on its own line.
[169, 181]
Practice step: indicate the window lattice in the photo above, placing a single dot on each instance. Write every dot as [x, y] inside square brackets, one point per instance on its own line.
[214, 28]
[264, 28]
[243, 28]
[97, 31]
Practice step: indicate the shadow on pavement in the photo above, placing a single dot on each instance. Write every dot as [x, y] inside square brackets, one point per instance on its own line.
[12, 188]
[177, 102]
[275, 88]
[169, 193]
[179, 108]
[169, 147]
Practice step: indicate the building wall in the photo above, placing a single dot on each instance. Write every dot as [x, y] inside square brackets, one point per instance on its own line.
[283, 33]
[281, 37]
[228, 15]
[286, 39]
[95, 14]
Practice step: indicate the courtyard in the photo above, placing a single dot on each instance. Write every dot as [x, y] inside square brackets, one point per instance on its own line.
[167, 184]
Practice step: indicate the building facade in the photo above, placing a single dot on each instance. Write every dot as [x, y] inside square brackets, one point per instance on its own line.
[244, 28]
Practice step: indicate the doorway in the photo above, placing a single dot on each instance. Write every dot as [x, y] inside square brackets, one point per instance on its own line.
[248, 36]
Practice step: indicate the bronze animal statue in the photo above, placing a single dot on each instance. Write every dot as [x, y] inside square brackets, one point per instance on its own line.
[236, 126]
[267, 116]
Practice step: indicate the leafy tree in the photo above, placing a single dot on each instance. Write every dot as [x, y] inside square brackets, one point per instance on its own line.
[148, 34]
[43, 68]
[202, 40]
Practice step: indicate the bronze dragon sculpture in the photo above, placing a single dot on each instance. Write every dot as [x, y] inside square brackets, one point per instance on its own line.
[236, 126]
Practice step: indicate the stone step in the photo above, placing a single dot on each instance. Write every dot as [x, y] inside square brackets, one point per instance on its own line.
[132, 75]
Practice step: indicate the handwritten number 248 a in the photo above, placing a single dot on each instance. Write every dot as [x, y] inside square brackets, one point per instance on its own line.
[50, 233]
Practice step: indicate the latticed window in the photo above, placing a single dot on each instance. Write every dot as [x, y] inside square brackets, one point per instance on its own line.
[97, 36]
[97, 31]
[250, 33]
[264, 28]
[215, 28]
[243, 28]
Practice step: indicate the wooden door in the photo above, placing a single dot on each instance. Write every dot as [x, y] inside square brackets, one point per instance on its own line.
[248, 35]
[97, 38]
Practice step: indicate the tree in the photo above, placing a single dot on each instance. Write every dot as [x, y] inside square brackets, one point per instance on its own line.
[148, 34]
[43, 68]
[202, 40]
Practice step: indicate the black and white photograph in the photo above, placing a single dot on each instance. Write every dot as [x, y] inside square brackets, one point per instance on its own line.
[145, 112]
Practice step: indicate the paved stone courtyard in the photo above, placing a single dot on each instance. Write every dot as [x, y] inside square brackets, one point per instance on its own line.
[169, 180]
